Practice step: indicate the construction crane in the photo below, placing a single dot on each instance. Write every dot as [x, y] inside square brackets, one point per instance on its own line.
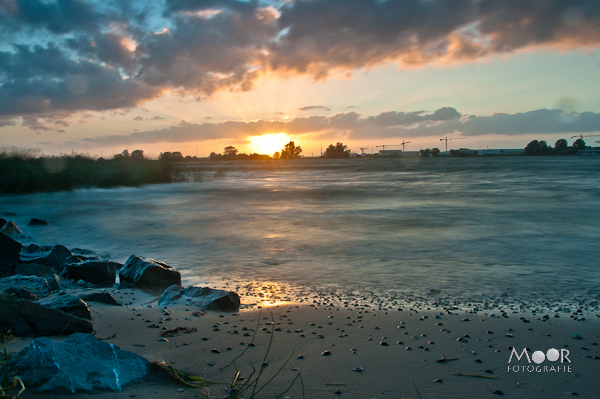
[452, 138]
[394, 145]
[363, 149]
[581, 136]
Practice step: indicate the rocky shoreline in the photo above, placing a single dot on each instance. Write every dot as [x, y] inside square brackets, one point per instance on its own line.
[117, 322]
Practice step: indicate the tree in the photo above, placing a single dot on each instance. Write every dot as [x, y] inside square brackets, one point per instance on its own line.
[338, 151]
[579, 144]
[124, 154]
[276, 155]
[537, 148]
[290, 151]
[425, 153]
[176, 156]
[561, 145]
[137, 154]
[435, 152]
[164, 156]
[230, 151]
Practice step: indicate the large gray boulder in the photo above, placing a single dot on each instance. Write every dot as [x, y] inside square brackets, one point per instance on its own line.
[22, 293]
[201, 297]
[102, 297]
[53, 256]
[69, 304]
[149, 273]
[11, 229]
[9, 254]
[98, 272]
[30, 319]
[81, 363]
[38, 285]
[35, 269]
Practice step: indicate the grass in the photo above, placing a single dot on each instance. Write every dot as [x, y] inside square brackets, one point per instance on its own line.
[253, 384]
[5, 385]
[23, 173]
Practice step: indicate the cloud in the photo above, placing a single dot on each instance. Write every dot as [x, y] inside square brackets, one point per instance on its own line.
[77, 55]
[138, 118]
[312, 107]
[326, 35]
[352, 125]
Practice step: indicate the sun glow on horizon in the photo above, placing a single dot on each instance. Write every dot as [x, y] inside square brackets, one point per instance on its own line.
[268, 143]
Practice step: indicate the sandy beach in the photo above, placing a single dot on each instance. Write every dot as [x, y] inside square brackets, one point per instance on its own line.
[329, 345]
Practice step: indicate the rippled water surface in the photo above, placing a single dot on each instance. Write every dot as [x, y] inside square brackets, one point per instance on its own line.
[463, 225]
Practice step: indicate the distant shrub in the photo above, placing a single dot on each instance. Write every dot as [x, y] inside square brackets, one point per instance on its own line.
[23, 174]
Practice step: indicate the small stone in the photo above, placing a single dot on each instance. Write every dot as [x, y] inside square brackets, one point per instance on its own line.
[326, 353]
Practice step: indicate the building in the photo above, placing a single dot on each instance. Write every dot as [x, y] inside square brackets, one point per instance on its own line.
[390, 153]
[511, 151]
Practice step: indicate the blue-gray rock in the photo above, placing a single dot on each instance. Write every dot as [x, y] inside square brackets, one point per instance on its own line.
[102, 297]
[69, 304]
[98, 272]
[9, 254]
[38, 222]
[53, 256]
[2, 222]
[202, 297]
[30, 319]
[35, 269]
[81, 363]
[38, 285]
[149, 273]
[11, 229]
[22, 293]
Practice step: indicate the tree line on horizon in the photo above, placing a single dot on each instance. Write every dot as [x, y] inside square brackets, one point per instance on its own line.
[561, 147]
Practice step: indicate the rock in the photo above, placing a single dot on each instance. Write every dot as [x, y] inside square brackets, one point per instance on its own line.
[53, 256]
[38, 222]
[22, 293]
[102, 273]
[149, 273]
[202, 297]
[9, 214]
[38, 285]
[88, 254]
[434, 291]
[9, 254]
[31, 319]
[11, 229]
[69, 304]
[102, 297]
[81, 363]
[34, 269]
[2, 222]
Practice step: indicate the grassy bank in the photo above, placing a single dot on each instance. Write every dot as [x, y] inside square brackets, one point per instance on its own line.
[22, 174]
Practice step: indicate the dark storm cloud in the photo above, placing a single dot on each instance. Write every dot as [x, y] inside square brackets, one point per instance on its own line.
[76, 55]
[62, 16]
[324, 35]
[442, 122]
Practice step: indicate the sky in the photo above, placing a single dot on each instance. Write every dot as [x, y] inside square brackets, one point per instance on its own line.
[98, 77]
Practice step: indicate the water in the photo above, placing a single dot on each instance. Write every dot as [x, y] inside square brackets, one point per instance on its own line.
[461, 225]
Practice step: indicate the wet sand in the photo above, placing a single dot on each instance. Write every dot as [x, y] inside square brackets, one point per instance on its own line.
[376, 349]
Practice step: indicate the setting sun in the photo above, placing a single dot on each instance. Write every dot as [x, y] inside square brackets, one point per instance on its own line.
[268, 143]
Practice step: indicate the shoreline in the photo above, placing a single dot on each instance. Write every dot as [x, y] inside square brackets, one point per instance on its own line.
[352, 333]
